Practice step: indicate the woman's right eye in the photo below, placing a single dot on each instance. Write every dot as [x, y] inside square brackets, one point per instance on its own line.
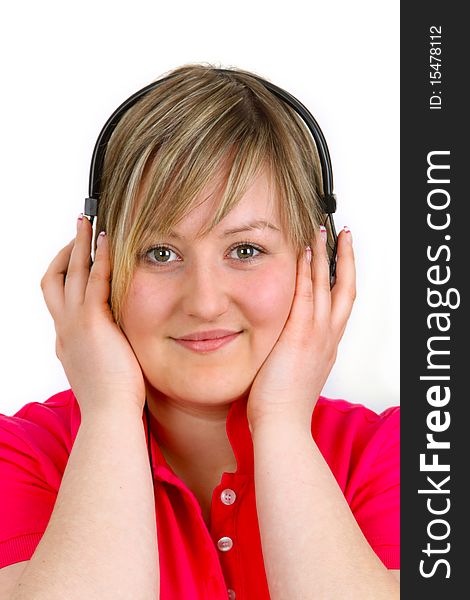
[159, 254]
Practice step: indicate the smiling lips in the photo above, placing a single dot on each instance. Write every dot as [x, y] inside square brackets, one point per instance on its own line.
[207, 335]
[207, 341]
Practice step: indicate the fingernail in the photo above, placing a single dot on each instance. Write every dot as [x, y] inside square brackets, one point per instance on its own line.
[100, 238]
[308, 254]
[349, 236]
[79, 220]
[323, 232]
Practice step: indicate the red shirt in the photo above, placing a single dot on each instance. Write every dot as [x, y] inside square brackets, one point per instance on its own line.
[360, 446]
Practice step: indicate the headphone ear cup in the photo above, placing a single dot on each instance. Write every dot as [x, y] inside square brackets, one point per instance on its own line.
[331, 246]
[91, 208]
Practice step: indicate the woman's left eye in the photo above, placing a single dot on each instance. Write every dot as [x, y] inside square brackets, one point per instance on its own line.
[161, 254]
[245, 253]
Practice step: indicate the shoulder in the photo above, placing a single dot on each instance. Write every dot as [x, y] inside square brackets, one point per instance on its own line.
[354, 422]
[347, 415]
[362, 448]
[58, 411]
[35, 445]
[354, 438]
[40, 431]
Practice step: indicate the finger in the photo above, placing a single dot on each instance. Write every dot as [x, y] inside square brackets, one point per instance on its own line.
[302, 307]
[79, 266]
[52, 282]
[320, 274]
[98, 288]
[343, 293]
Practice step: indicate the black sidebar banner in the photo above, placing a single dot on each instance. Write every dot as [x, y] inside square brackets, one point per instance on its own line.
[435, 258]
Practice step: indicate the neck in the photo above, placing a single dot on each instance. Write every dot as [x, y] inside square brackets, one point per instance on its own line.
[192, 437]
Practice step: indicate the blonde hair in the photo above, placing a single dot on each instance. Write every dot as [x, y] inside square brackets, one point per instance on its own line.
[179, 138]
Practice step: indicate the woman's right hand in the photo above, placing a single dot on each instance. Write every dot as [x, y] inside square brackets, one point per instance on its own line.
[97, 358]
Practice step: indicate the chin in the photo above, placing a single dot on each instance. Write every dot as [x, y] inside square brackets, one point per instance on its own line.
[206, 390]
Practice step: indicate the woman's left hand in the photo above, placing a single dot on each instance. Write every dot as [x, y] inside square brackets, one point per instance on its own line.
[292, 377]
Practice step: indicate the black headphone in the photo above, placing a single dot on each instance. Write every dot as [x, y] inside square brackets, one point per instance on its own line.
[328, 198]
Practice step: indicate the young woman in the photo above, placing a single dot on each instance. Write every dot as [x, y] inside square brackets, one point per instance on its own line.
[209, 304]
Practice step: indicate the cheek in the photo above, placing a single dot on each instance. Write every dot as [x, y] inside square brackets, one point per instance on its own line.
[145, 308]
[270, 295]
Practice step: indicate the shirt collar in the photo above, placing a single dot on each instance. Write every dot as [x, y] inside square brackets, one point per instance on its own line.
[238, 433]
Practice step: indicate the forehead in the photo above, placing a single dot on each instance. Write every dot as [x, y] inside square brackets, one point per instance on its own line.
[259, 203]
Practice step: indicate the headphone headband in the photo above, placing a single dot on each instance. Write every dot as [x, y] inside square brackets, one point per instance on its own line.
[328, 199]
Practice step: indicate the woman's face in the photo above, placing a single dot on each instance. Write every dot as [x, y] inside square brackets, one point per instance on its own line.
[243, 282]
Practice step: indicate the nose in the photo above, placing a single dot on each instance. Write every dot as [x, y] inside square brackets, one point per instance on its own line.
[205, 293]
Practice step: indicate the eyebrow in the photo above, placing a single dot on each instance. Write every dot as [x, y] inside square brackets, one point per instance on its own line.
[257, 224]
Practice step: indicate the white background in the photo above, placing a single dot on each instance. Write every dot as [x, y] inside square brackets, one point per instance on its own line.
[67, 67]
